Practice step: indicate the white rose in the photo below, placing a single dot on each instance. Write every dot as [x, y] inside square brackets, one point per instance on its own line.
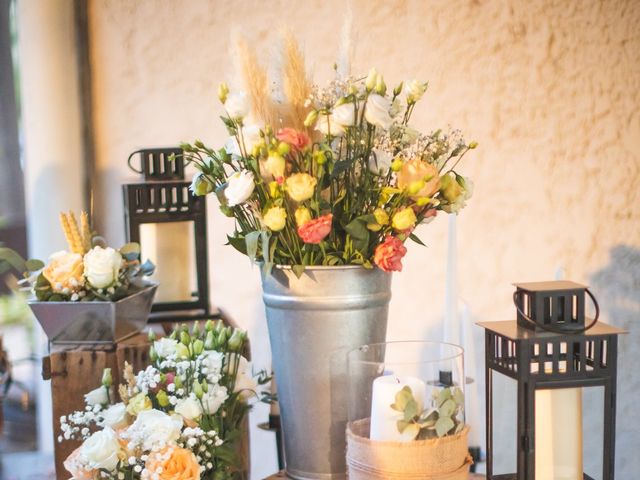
[380, 162]
[101, 450]
[165, 347]
[239, 188]
[155, 428]
[101, 266]
[97, 397]
[237, 105]
[189, 408]
[344, 115]
[250, 136]
[115, 415]
[326, 125]
[214, 398]
[376, 112]
[414, 90]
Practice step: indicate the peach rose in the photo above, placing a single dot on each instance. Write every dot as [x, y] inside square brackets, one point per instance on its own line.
[173, 463]
[65, 271]
[78, 470]
[314, 231]
[388, 255]
[416, 170]
[298, 140]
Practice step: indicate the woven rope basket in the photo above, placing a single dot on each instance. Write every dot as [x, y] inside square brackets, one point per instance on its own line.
[445, 458]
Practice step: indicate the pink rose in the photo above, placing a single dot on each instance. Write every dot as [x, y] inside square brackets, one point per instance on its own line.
[314, 231]
[298, 140]
[388, 255]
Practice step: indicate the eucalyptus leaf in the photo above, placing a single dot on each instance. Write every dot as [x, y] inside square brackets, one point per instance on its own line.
[401, 425]
[447, 408]
[411, 432]
[443, 425]
[411, 409]
[443, 396]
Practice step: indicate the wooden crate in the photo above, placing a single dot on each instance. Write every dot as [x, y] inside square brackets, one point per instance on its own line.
[76, 371]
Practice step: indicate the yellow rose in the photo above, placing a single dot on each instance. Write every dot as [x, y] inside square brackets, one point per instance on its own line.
[449, 188]
[138, 404]
[303, 215]
[418, 171]
[301, 186]
[275, 218]
[382, 217]
[275, 165]
[65, 271]
[404, 219]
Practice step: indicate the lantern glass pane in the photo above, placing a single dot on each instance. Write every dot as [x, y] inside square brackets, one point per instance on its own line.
[171, 247]
[593, 431]
[505, 424]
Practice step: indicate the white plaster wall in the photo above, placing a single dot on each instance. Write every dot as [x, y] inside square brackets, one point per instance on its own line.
[551, 90]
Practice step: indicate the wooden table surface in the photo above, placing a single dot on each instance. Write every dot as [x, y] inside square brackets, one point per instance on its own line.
[472, 476]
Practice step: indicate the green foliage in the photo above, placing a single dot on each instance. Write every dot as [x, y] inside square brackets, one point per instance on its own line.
[439, 420]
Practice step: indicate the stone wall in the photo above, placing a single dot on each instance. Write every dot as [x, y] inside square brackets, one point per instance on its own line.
[550, 90]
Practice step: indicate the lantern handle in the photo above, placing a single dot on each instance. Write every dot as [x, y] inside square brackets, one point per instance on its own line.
[559, 330]
[131, 166]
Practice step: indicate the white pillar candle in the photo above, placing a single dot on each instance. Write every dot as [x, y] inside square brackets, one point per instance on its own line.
[170, 247]
[559, 434]
[384, 418]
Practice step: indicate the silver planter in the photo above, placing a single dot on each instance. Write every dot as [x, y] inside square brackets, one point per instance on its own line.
[313, 322]
[76, 323]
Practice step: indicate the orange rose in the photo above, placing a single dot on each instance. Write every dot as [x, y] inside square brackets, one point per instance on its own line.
[314, 231]
[173, 463]
[388, 255]
[65, 271]
[74, 465]
[415, 171]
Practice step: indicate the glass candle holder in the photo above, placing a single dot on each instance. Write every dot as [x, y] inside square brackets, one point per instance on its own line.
[405, 391]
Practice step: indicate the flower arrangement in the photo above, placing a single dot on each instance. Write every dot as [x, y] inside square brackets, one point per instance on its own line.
[89, 270]
[178, 419]
[327, 176]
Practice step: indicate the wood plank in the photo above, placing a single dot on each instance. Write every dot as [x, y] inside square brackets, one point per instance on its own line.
[76, 371]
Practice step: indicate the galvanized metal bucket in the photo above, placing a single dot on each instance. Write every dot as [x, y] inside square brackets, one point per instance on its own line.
[313, 322]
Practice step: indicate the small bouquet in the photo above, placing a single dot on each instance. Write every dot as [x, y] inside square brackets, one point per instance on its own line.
[178, 419]
[331, 175]
[88, 271]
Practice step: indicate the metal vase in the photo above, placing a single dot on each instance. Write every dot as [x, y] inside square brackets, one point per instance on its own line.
[77, 323]
[313, 322]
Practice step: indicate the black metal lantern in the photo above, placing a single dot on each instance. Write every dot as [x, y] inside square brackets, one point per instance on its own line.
[548, 348]
[164, 203]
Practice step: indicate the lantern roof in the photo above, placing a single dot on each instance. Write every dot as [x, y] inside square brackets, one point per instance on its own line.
[550, 286]
[510, 329]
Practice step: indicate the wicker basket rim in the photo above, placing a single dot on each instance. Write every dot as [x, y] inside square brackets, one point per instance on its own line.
[414, 444]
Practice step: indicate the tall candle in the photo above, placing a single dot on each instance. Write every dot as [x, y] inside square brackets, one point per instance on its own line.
[559, 434]
[169, 247]
[384, 419]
